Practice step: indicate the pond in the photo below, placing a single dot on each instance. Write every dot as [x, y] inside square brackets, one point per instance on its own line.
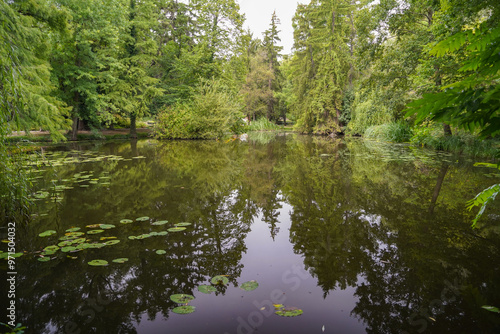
[341, 236]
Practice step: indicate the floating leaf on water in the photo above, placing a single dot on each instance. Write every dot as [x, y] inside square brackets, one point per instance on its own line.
[106, 226]
[249, 286]
[93, 226]
[51, 248]
[43, 259]
[153, 234]
[95, 231]
[120, 260]
[139, 157]
[46, 253]
[161, 222]
[132, 237]
[182, 224]
[47, 233]
[289, 312]
[68, 249]
[73, 229]
[220, 279]
[16, 255]
[142, 219]
[106, 238]
[176, 229]
[126, 221]
[75, 234]
[68, 237]
[111, 242]
[65, 243]
[84, 186]
[95, 245]
[186, 309]
[208, 289]
[79, 240]
[162, 233]
[491, 308]
[161, 252]
[181, 298]
[98, 263]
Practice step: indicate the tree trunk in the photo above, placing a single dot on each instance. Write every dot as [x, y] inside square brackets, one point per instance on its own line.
[447, 129]
[437, 188]
[133, 127]
[74, 128]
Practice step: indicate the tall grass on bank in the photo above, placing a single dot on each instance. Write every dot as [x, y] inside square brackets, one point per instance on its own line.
[433, 137]
[397, 132]
[262, 124]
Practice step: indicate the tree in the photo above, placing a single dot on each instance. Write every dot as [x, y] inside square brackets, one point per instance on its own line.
[271, 39]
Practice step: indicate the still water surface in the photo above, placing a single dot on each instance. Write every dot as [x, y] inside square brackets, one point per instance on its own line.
[364, 237]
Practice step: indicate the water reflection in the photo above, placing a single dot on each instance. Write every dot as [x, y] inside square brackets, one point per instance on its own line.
[386, 220]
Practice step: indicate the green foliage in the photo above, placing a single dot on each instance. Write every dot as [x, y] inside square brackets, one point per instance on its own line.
[485, 197]
[213, 111]
[262, 124]
[397, 132]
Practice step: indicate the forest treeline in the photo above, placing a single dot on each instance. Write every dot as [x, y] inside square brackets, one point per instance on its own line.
[357, 67]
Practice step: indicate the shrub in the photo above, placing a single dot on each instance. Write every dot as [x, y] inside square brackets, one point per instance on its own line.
[213, 111]
[262, 124]
[397, 132]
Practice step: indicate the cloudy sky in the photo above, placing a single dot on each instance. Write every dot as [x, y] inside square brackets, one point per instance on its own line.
[258, 16]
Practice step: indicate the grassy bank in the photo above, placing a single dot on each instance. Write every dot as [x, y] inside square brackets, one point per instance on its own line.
[45, 138]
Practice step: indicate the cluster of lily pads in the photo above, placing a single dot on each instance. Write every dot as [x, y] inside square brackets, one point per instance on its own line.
[74, 240]
[280, 309]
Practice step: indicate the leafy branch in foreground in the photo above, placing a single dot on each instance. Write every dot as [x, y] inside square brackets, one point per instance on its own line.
[484, 197]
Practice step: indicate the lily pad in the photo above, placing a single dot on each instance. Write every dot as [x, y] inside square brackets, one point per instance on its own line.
[208, 289]
[47, 253]
[98, 263]
[126, 221]
[93, 226]
[161, 252]
[43, 259]
[220, 279]
[120, 260]
[47, 233]
[176, 229]
[68, 237]
[132, 237]
[68, 249]
[491, 308]
[111, 242]
[107, 226]
[181, 298]
[186, 309]
[249, 286]
[289, 312]
[162, 233]
[73, 229]
[51, 248]
[142, 219]
[161, 222]
[74, 234]
[182, 224]
[95, 245]
[95, 231]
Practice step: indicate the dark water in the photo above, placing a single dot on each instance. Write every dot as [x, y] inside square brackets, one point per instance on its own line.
[363, 237]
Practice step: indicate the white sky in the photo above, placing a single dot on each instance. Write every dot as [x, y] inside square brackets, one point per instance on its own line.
[258, 17]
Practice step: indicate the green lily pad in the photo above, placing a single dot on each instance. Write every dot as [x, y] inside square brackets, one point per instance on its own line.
[68, 237]
[95, 245]
[111, 242]
[181, 298]
[107, 226]
[289, 312]
[98, 263]
[182, 224]
[73, 229]
[47, 233]
[79, 240]
[126, 221]
[491, 308]
[162, 233]
[208, 289]
[15, 255]
[161, 252]
[142, 219]
[186, 309]
[176, 229]
[74, 234]
[249, 286]
[161, 222]
[51, 248]
[120, 260]
[95, 231]
[47, 253]
[68, 249]
[220, 280]
[43, 259]
[132, 237]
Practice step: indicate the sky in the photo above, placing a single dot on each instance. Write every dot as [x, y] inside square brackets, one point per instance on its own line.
[258, 17]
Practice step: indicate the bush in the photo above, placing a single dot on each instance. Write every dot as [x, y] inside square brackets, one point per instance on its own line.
[262, 124]
[397, 132]
[213, 111]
